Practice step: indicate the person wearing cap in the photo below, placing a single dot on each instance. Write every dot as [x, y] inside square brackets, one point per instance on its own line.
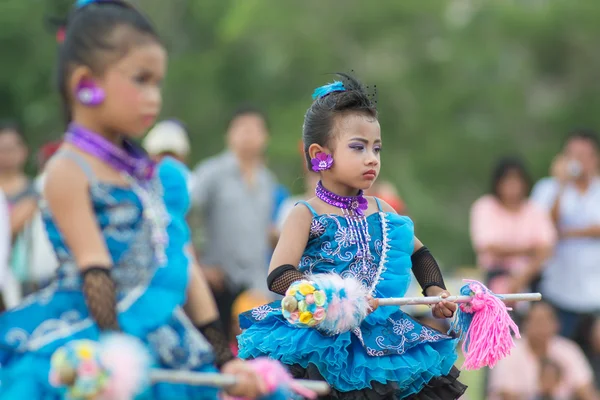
[167, 138]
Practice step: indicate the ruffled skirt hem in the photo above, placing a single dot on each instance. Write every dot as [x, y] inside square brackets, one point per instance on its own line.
[446, 387]
[353, 360]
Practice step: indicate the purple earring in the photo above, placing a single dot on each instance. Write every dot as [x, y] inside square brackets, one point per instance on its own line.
[321, 162]
[89, 94]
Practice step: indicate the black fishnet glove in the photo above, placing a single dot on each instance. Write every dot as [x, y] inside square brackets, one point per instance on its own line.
[100, 296]
[213, 332]
[280, 279]
[426, 270]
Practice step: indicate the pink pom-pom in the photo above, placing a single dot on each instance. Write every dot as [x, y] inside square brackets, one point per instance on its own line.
[347, 302]
[276, 377]
[486, 328]
[128, 363]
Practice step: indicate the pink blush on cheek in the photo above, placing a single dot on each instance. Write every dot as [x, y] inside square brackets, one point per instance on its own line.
[122, 90]
[128, 94]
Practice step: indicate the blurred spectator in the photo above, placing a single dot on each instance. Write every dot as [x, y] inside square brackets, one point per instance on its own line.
[244, 302]
[511, 235]
[550, 380]
[572, 196]
[5, 273]
[594, 350]
[42, 262]
[310, 181]
[46, 152]
[233, 193]
[387, 192]
[168, 138]
[19, 191]
[523, 375]
[282, 196]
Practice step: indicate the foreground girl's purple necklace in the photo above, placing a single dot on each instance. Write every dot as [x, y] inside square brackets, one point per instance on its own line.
[353, 208]
[124, 159]
[137, 168]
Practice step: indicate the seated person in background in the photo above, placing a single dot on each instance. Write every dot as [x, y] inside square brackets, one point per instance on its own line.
[594, 351]
[518, 377]
[247, 300]
[550, 379]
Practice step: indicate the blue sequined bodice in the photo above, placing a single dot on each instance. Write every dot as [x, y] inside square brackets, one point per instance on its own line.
[388, 345]
[150, 275]
[128, 236]
[332, 248]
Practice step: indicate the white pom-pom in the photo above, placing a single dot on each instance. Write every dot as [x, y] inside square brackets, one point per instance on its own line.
[347, 302]
[128, 363]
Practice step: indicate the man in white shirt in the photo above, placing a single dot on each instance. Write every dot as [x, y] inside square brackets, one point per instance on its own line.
[571, 279]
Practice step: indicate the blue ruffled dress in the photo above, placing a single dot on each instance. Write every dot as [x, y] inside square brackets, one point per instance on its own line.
[390, 355]
[150, 294]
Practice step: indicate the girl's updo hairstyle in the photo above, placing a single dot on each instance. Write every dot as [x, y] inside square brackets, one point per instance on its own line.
[99, 33]
[340, 97]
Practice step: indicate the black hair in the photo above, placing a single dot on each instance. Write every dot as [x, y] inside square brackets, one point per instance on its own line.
[584, 134]
[537, 304]
[319, 118]
[90, 37]
[9, 125]
[249, 109]
[506, 165]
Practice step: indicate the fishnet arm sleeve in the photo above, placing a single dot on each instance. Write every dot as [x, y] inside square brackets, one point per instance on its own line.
[213, 332]
[280, 279]
[101, 298]
[426, 270]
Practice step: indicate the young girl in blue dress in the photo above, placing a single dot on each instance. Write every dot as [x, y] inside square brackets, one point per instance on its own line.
[117, 224]
[390, 355]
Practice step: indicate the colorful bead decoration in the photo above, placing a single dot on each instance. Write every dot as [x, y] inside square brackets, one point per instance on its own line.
[304, 304]
[77, 367]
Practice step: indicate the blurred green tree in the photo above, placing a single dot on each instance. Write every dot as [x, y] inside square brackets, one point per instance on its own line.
[460, 83]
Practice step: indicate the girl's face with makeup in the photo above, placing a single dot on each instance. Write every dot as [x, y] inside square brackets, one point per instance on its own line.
[356, 155]
[133, 89]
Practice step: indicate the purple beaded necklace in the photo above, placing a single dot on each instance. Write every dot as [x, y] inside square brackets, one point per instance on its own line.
[138, 169]
[128, 159]
[353, 209]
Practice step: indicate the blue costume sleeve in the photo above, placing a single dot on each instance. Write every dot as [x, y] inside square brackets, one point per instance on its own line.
[174, 177]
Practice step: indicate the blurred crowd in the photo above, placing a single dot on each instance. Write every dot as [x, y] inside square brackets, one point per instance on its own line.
[527, 236]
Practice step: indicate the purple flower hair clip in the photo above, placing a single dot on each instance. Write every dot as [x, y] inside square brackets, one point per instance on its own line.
[321, 162]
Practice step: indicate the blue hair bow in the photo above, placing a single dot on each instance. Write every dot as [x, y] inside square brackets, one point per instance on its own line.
[83, 3]
[323, 91]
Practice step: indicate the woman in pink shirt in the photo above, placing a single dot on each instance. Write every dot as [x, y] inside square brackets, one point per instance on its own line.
[511, 236]
[543, 365]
